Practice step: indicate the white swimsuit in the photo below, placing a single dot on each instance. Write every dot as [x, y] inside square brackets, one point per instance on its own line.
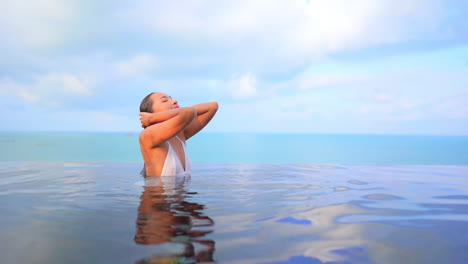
[172, 164]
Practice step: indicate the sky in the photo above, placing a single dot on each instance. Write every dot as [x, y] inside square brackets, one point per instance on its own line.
[316, 66]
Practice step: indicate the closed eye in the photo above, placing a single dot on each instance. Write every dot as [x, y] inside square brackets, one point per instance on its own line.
[164, 99]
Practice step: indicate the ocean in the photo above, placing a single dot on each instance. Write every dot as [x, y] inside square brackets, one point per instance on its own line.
[251, 198]
[242, 148]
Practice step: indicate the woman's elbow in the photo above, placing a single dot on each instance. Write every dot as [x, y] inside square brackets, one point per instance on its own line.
[215, 106]
[190, 113]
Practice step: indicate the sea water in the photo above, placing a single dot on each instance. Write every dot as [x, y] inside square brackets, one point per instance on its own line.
[251, 198]
[242, 148]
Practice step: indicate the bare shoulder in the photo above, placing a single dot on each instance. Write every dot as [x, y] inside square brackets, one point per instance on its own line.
[144, 137]
[148, 148]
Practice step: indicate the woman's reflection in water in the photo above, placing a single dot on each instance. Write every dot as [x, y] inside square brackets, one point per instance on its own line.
[164, 216]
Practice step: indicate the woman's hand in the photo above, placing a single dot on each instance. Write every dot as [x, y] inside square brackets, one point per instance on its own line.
[145, 119]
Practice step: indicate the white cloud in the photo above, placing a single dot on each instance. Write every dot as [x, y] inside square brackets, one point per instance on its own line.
[49, 89]
[137, 65]
[28, 96]
[243, 53]
[412, 95]
[296, 29]
[244, 87]
[66, 119]
[375, 103]
[67, 82]
[395, 111]
[384, 97]
[309, 80]
[38, 23]
[8, 86]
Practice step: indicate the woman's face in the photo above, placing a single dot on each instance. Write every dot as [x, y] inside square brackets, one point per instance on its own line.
[163, 102]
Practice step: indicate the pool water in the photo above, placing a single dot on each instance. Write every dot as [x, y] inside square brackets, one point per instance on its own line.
[105, 212]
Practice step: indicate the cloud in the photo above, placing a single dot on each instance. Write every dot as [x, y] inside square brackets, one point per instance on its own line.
[395, 111]
[69, 83]
[303, 105]
[376, 102]
[420, 94]
[49, 89]
[187, 90]
[42, 119]
[137, 65]
[297, 66]
[293, 30]
[38, 23]
[96, 120]
[245, 87]
[309, 80]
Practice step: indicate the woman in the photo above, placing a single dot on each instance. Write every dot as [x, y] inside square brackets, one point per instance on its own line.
[167, 128]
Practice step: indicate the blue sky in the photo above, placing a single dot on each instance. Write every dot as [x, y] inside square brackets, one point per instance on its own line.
[323, 66]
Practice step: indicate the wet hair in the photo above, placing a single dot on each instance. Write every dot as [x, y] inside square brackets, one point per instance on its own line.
[147, 104]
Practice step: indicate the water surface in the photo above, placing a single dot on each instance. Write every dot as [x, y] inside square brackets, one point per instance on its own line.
[104, 212]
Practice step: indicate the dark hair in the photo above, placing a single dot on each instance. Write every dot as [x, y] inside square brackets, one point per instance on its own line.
[147, 104]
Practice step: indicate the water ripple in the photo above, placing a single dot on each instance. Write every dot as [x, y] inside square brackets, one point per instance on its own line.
[253, 213]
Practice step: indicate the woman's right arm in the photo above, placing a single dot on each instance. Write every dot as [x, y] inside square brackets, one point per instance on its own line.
[161, 126]
[148, 119]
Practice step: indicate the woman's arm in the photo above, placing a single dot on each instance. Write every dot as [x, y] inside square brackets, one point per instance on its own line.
[205, 113]
[163, 125]
[148, 119]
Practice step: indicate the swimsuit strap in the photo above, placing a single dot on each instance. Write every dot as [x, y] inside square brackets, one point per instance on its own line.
[183, 144]
[185, 154]
[170, 146]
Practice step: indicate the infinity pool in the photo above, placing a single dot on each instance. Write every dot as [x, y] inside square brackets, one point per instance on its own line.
[101, 212]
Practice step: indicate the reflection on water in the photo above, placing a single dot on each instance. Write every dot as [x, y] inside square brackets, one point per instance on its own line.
[167, 218]
[79, 212]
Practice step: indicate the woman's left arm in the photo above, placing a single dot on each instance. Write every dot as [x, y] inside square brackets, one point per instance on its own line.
[205, 113]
